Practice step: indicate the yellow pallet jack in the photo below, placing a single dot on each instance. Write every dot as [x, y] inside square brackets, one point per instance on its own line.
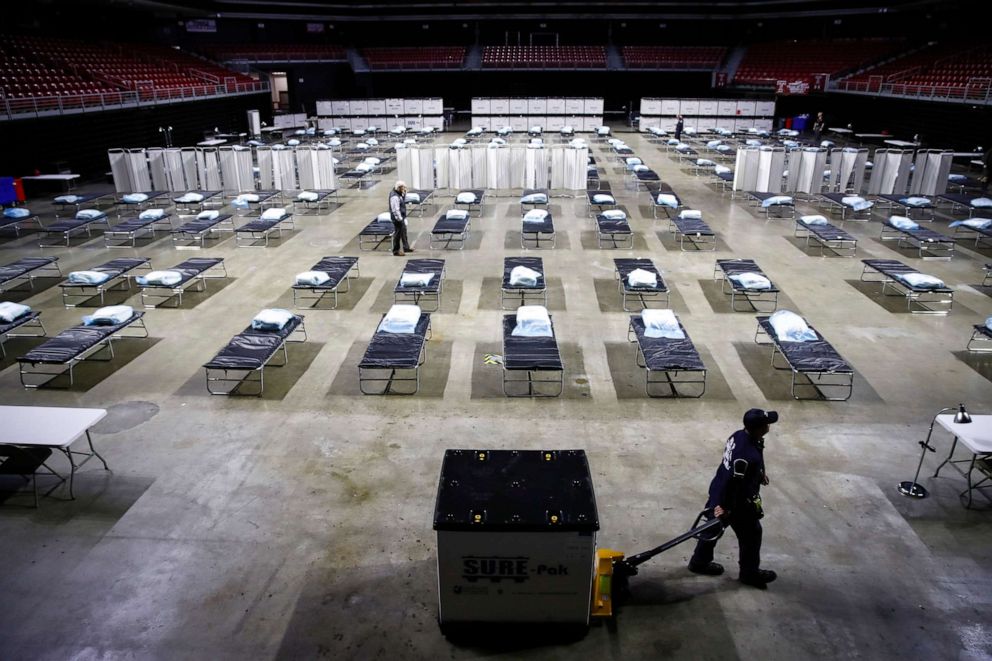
[613, 569]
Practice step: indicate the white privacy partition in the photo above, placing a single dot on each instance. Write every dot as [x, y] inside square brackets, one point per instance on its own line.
[810, 163]
[442, 160]
[479, 169]
[209, 166]
[930, 173]
[746, 169]
[771, 165]
[118, 168]
[174, 170]
[535, 168]
[265, 165]
[890, 174]
[137, 170]
[424, 176]
[236, 169]
[404, 163]
[156, 164]
[306, 164]
[518, 165]
[847, 174]
[493, 160]
[284, 170]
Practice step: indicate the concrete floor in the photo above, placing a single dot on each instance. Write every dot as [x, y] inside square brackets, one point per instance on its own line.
[298, 525]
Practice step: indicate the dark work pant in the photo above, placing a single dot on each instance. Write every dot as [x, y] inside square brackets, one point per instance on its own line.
[748, 531]
[399, 236]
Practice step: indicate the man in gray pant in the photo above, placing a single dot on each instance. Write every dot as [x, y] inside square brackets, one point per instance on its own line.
[397, 211]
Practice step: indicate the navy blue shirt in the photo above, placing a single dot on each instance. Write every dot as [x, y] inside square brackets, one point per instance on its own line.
[732, 493]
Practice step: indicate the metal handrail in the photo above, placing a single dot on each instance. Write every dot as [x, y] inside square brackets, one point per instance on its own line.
[969, 93]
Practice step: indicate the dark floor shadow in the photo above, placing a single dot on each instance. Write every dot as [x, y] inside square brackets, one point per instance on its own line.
[489, 295]
[347, 300]
[775, 384]
[814, 248]
[451, 297]
[590, 241]
[433, 372]
[609, 298]
[278, 380]
[487, 380]
[978, 361]
[671, 244]
[22, 293]
[18, 346]
[629, 379]
[274, 241]
[896, 304]
[192, 299]
[102, 497]
[90, 373]
[441, 245]
[911, 252]
[562, 242]
[983, 289]
[648, 211]
[382, 245]
[720, 301]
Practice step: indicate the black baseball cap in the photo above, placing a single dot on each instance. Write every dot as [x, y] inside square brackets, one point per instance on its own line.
[757, 417]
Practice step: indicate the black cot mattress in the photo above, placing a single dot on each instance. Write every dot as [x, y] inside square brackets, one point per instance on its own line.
[528, 353]
[397, 350]
[665, 354]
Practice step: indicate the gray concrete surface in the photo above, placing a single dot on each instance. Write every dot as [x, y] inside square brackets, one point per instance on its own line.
[298, 525]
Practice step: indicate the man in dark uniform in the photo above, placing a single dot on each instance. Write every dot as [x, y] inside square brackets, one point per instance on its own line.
[734, 496]
[397, 211]
[679, 124]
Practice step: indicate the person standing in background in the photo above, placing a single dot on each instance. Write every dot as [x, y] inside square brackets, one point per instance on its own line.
[679, 125]
[818, 124]
[397, 212]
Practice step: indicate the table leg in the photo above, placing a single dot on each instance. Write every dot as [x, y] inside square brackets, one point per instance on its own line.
[949, 455]
[72, 471]
[970, 489]
[97, 454]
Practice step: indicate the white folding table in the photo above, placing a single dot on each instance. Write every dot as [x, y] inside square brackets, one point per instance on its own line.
[52, 427]
[976, 436]
[901, 143]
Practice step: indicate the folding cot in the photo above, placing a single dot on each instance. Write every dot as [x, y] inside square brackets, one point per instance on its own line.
[980, 342]
[906, 204]
[14, 217]
[30, 320]
[669, 364]
[141, 200]
[125, 233]
[664, 198]
[255, 202]
[960, 183]
[376, 233]
[967, 201]
[429, 289]
[394, 358]
[600, 201]
[643, 293]
[930, 244]
[537, 359]
[523, 293]
[195, 201]
[76, 201]
[535, 229]
[244, 359]
[420, 199]
[314, 200]
[988, 274]
[64, 351]
[784, 204]
[360, 174]
[646, 177]
[927, 299]
[534, 198]
[28, 268]
[192, 234]
[622, 152]
[339, 271]
[979, 228]
[826, 236]
[694, 230]
[824, 370]
[615, 230]
[726, 268]
[470, 198]
[260, 229]
[592, 176]
[725, 180]
[191, 271]
[857, 206]
[685, 153]
[701, 165]
[117, 271]
[450, 228]
[66, 228]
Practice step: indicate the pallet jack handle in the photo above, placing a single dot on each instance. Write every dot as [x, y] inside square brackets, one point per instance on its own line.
[696, 532]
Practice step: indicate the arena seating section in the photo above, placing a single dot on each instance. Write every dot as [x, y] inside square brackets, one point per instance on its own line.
[48, 67]
[764, 64]
[954, 67]
[673, 57]
[442, 57]
[550, 57]
[275, 52]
